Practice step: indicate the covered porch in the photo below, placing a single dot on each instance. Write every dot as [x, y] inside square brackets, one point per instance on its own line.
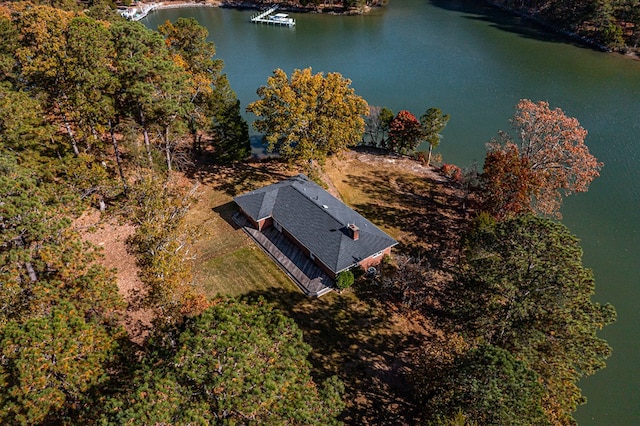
[312, 280]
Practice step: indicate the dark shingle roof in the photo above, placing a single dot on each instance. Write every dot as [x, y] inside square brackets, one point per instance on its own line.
[317, 220]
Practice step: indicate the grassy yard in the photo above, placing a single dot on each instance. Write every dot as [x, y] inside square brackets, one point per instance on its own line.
[357, 334]
[228, 262]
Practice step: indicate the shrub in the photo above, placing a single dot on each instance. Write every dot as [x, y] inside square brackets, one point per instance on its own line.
[344, 280]
[452, 171]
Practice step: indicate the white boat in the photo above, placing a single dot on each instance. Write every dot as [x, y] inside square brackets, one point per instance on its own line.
[282, 18]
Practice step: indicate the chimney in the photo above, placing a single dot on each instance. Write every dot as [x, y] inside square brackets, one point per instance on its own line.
[354, 231]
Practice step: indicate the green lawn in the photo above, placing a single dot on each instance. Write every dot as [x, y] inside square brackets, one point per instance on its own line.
[242, 271]
[227, 261]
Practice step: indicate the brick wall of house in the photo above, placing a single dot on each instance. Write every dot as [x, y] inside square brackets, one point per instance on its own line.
[264, 223]
[374, 260]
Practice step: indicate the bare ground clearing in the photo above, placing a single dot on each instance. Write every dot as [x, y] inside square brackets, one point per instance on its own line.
[111, 236]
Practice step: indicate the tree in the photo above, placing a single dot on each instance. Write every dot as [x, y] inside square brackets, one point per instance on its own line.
[377, 126]
[235, 363]
[509, 182]
[525, 290]
[488, 386]
[9, 42]
[92, 85]
[42, 261]
[65, 63]
[433, 121]
[59, 309]
[161, 242]
[309, 117]
[344, 280]
[22, 126]
[551, 146]
[141, 62]
[41, 60]
[216, 108]
[171, 104]
[405, 132]
[49, 363]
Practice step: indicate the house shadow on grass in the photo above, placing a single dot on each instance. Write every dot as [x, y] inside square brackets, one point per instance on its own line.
[226, 212]
[356, 340]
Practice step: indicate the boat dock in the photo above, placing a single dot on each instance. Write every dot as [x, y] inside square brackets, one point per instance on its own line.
[267, 17]
[137, 13]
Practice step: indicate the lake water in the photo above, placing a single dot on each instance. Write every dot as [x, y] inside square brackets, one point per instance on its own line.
[475, 63]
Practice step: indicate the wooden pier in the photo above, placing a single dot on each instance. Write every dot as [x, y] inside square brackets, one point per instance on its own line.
[267, 17]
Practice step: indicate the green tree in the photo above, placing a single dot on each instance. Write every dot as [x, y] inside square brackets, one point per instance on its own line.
[59, 310]
[42, 261]
[344, 280]
[309, 117]
[49, 363]
[102, 10]
[141, 62]
[235, 363]
[171, 104]
[216, 108]
[488, 386]
[230, 132]
[187, 40]
[88, 63]
[22, 126]
[525, 290]
[9, 43]
[433, 122]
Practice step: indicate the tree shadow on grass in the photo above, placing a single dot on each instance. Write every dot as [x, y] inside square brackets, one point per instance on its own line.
[239, 177]
[355, 340]
[431, 214]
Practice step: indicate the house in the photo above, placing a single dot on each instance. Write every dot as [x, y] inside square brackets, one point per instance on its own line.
[326, 230]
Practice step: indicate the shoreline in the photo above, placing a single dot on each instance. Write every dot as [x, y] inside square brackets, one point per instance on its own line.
[570, 35]
[183, 4]
[324, 9]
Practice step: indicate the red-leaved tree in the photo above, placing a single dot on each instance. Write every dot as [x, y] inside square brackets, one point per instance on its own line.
[543, 161]
[509, 181]
[405, 132]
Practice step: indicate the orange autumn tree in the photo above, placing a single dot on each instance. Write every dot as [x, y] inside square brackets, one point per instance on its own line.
[545, 159]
